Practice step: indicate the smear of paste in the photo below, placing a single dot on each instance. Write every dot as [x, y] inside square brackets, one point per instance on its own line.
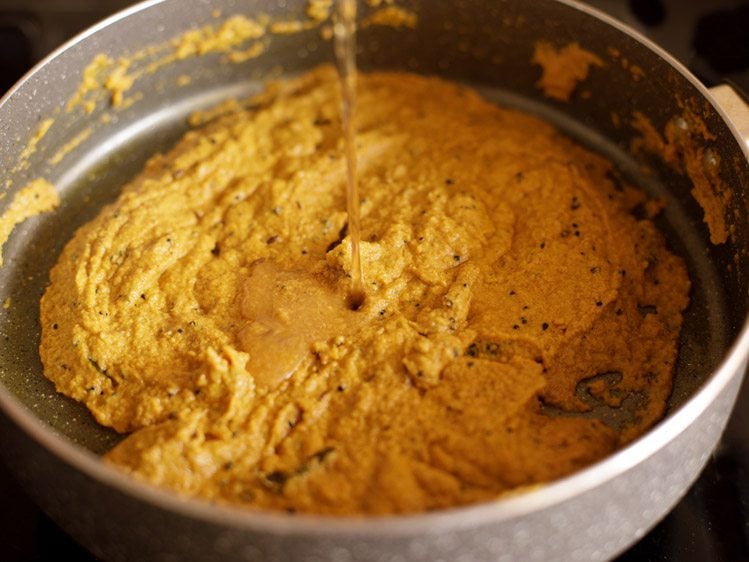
[684, 147]
[71, 145]
[254, 51]
[37, 197]
[563, 69]
[635, 70]
[391, 16]
[114, 77]
[289, 27]
[319, 10]
[33, 143]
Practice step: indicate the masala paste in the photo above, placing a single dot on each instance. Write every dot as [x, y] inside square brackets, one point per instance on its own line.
[512, 295]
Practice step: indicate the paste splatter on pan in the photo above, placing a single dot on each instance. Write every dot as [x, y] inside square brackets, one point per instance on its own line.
[684, 145]
[563, 68]
[238, 37]
[507, 279]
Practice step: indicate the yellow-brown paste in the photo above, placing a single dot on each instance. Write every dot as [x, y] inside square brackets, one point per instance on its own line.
[510, 291]
[562, 68]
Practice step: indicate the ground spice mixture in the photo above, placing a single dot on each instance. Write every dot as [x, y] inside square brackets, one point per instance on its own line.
[511, 292]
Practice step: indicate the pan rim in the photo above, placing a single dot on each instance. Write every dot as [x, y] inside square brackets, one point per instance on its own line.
[501, 509]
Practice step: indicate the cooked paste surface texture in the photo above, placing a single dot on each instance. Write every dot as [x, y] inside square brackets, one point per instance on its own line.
[511, 296]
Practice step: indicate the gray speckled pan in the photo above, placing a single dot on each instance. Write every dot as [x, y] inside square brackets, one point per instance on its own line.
[52, 443]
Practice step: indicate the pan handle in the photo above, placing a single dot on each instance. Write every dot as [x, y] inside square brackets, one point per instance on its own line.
[735, 106]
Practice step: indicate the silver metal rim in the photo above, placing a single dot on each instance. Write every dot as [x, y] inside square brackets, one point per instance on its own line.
[404, 525]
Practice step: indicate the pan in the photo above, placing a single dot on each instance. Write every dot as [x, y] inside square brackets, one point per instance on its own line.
[88, 152]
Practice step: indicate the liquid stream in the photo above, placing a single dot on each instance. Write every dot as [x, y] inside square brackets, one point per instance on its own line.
[345, 51]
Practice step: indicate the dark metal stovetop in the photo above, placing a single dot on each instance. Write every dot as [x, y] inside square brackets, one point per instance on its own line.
[711, 523]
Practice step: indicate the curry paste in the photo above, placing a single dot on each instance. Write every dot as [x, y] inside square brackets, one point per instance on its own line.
[511, 293]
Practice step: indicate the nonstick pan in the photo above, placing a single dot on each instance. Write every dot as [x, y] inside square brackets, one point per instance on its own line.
[53, 445]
